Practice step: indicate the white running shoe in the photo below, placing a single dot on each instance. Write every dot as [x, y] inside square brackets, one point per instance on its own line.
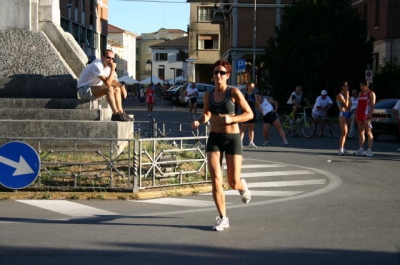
[344, 152]
[252, 145]
[266, 143]
[368, 153]
[245, 193]
[221, 223]
[285, 142]
[360, 152]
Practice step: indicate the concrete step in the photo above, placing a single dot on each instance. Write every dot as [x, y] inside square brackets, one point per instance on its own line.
[31, 87]
[65, 130]
[56, 114]
[51, 103]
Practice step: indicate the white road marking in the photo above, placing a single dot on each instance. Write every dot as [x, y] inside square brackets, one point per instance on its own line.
[288, 183]
[79, 211]
[277, 173]
[68, 208]
[270, 193]
[181, 202]
[261, 166]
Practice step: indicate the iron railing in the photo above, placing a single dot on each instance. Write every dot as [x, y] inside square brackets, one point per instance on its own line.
[121, 164]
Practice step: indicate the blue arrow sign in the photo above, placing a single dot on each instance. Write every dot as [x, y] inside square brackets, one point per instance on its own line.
[19, 165]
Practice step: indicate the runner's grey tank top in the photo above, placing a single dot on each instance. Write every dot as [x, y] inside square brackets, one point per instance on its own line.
[225, 107]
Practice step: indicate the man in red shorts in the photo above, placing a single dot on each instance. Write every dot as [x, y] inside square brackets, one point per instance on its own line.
[365, 108]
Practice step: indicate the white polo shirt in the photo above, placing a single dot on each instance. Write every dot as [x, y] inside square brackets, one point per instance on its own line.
[320, 102]
[90, 75]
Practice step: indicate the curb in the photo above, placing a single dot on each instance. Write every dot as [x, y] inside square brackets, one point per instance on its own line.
[142, 195]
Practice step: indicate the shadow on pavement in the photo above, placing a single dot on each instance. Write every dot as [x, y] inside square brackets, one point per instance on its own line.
[144, 253]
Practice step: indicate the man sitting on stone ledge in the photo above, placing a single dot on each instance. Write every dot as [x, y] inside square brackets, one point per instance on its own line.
[97, 80]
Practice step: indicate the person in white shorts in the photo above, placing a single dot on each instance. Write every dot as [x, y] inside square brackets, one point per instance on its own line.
[353, 110]
[97, 80]
[320, 109]
[192, 93]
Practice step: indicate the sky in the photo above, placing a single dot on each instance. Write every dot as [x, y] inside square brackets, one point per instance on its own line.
[141, 16]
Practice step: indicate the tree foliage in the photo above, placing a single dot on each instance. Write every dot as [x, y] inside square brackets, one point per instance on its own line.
[318, 44]
[387, 81]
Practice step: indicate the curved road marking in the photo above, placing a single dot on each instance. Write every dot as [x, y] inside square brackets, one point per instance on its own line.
[334, 182]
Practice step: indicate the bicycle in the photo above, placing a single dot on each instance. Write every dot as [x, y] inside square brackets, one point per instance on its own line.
[307, 124]
[328, 127]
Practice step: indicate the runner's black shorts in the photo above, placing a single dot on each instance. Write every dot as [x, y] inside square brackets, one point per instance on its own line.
[231, 144]
[270, 117]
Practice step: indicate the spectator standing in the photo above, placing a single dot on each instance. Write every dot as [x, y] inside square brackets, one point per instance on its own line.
[97, 80]
[296, 101]
[192, 93]
[320, 111]
[270, 116]
[353, 109]
[365, 108]
[158, 90]
[343, 102]
[150, 99]
[139, 87]
[249, 125]
[224, 138]
[142, 94]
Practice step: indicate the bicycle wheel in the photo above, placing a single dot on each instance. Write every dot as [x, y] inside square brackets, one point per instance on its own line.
[286, 124]
[308, 127]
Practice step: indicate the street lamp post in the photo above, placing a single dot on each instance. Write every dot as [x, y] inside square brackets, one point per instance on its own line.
[163, 73]
[172, 68]
[151, 69]
[254, 42]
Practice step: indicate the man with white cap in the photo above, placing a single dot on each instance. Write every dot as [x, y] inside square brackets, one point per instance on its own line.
[320, 110]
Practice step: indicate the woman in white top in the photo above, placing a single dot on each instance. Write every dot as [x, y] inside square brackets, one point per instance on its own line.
[270, 116]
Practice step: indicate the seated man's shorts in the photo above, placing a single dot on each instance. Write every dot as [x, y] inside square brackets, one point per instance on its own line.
[317, 116]
[85, 92]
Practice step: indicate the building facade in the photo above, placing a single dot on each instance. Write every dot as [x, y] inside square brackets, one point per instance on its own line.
[383, 20]
[144, 57]
[228, 30]
[169, 59]
[246, 28]
[123, 43]
[204, 42]
[87, 21]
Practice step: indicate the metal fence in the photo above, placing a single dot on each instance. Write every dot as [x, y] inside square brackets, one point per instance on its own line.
[148, 160]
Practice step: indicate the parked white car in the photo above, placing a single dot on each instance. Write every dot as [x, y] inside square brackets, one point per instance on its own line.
[201, 88]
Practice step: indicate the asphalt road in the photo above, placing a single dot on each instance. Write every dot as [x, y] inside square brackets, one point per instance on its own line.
[304, 210]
